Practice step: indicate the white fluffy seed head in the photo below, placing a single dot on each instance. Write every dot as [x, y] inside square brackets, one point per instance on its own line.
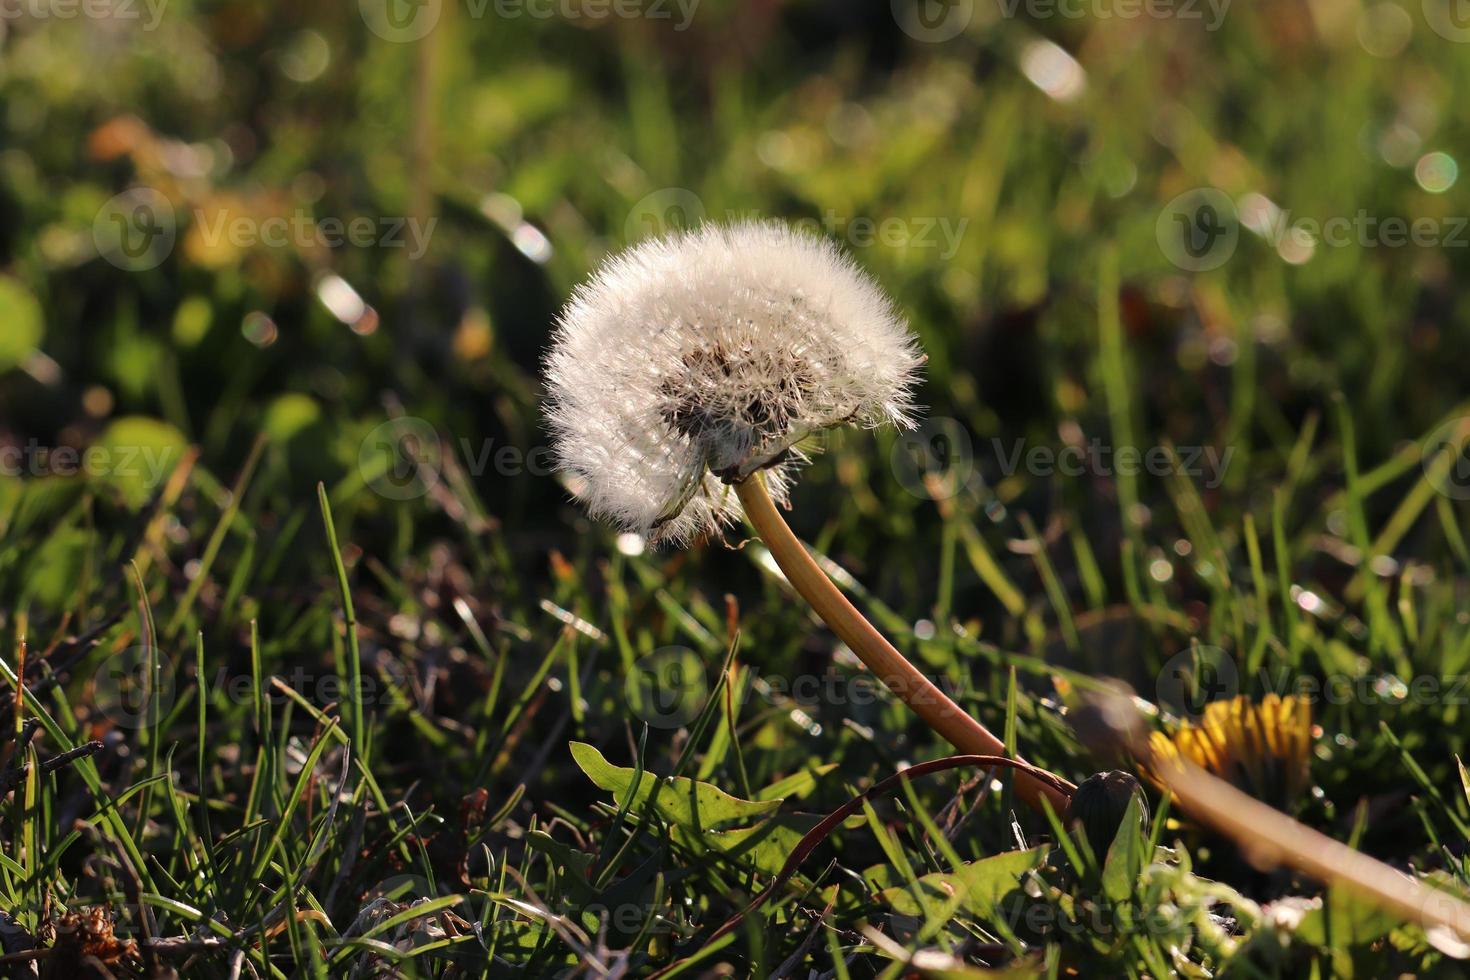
[693, 360]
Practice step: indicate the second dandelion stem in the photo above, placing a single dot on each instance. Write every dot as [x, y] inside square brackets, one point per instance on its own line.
[873, 649]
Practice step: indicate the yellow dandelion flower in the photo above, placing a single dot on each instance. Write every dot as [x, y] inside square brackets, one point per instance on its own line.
[1261, 747]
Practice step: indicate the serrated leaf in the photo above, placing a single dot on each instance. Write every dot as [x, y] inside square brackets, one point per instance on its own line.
[688, 803]
[977, 888]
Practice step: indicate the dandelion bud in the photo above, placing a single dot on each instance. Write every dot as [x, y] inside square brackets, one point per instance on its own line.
[1099, 805]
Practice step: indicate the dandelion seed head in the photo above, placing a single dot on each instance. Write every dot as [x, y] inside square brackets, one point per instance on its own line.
[691, 361]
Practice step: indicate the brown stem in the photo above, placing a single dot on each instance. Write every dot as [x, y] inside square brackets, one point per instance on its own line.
[1270, 839]
[902, 678]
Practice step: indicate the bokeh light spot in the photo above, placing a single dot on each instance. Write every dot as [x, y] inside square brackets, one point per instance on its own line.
[1436, 172]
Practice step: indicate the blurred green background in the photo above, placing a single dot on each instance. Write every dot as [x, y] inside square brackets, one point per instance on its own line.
[525, 142]
[309, 221]
[322, 242]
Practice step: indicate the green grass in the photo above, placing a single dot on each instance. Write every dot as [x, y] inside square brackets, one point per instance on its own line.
[350, 724]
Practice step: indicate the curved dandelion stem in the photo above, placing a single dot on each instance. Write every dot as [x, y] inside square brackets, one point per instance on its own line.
[873, 649]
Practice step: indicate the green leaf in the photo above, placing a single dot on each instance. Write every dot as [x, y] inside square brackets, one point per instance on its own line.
[1125, 856]
[797, 786]
[766, 846]
[977, 888]
[55, 568]
[683, 801]
[24, 326]
[575, 865]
